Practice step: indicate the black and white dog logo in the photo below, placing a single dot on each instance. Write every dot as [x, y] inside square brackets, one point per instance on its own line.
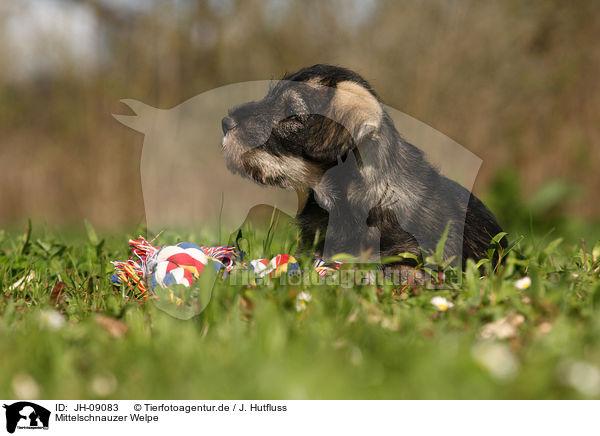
[26, 415]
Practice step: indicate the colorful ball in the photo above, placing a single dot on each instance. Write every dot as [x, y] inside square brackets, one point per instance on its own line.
[178, 264]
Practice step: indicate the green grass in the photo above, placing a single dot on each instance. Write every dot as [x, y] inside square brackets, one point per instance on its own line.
[357, 342]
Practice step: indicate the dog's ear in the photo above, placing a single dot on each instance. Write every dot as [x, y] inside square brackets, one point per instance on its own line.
[353, 113]
[355, 108]
[327, 140]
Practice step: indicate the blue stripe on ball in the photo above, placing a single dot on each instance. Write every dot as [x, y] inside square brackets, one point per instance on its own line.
[186, 245]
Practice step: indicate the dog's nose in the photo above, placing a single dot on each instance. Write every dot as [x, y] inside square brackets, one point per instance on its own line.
[227, 124]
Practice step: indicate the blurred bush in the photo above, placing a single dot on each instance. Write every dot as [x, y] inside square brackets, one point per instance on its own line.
[545, 211]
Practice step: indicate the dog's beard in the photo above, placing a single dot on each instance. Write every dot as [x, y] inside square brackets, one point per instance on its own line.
[265, 168]
[236, 153]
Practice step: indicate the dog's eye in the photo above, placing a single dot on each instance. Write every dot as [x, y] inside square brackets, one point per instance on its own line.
[294, 119]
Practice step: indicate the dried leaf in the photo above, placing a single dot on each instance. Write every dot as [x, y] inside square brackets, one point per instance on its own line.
[113, 326]
[20, 284]
[544, 328]
[56, 294]
[246, 304]
[504, 328]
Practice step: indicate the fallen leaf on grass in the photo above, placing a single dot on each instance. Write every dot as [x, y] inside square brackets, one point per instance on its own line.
[113, 326]
[544, 328]
[504, 328]
[56, 294]
[353, 317]
[246, 304]
[377, 316]
[20, 284]
[427, 332]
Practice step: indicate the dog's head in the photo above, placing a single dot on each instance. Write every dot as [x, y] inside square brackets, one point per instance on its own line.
[300, 129]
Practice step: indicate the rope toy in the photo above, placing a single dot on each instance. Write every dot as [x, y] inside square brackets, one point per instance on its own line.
[150, 266]
[282, 263]
[181, 264]
[323, 268]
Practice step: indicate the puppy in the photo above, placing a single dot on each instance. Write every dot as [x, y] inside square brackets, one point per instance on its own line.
[323, 132]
